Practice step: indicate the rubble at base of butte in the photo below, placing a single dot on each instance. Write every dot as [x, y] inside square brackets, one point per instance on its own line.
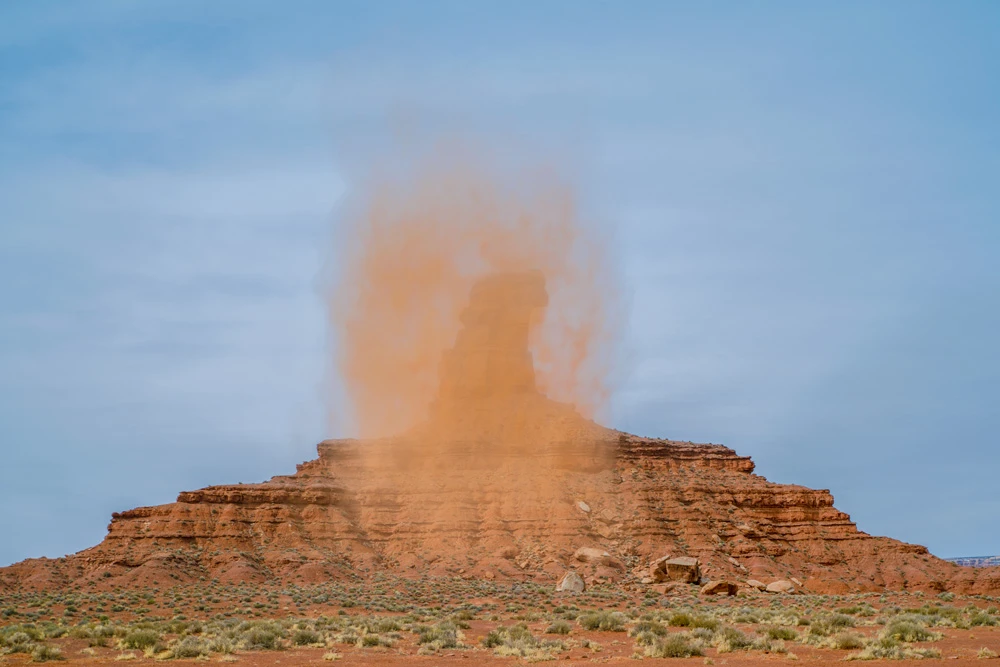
[504, 484]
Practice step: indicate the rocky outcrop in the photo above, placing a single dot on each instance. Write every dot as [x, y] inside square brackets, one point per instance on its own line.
[333, 519]
[502, 483]
[719, 587]
[571, 583]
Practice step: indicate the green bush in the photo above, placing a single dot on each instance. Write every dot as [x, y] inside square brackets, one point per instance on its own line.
[559, 627]
[675, 645]
[608, 621]
[780, 632]
[43, 653]
[19, 642]
[979, 618]
[306, 636]
[848, 640]
[441, 635]
[908, 631]
[731, 639]
[651, 627]
[259, 637]
[705, 622]
[190, 647]
[141, 639]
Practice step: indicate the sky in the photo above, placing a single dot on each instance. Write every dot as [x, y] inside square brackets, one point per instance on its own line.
[804, 199]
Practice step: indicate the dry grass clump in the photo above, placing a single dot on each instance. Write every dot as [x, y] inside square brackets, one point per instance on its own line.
[909, 631]
[559, 627]
[436, 637]
[517, 640]
[846, 641]
[44, 653]
[608, 621]
[686, 620]
[985, 653]
[673, 645]
[887, 648]
[781, 632]
[141, 638]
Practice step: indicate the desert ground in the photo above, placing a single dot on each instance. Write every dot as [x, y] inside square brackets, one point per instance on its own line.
[389, 620]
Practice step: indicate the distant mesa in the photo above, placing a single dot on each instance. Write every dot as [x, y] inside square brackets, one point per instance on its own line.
[502, 483]
[977, 561]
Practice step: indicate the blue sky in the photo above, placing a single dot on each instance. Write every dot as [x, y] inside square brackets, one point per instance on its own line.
[805, 198]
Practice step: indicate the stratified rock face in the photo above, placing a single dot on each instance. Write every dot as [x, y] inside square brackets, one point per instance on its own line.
[502, 483]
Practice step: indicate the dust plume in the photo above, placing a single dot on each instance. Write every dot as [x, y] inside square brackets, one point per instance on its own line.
[467, 298]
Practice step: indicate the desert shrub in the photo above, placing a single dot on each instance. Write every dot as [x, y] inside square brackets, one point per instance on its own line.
[559, 627]
[651, 627]
[887, 648]
[18, 642]
[704, 634]
[369, 640]
[747, 615]
[838, 621]
[260, 637]
[908, 631]
[847, 640]
[441, 635]
[348, 637]
[190, 647]
[705, 622]
[43, 653]
[674, 645]
[858, 610]
[985, 653]
[730, 639]
[517, 640]
[979, 618]
[680, 620]
[779, 632]
[223, 645]
[609, 621]
[305, 636]
[141, 639]
[380, 625]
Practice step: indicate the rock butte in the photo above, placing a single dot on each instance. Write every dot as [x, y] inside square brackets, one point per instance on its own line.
[491, 486]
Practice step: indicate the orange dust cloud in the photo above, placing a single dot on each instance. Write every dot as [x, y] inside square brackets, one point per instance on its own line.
[464, 297]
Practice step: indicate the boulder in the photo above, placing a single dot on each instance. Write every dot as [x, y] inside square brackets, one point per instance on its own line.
[759, 585]
[683, 569]
[598, 557]
[571, 583]
[781, 586]
[583, 507]
[592, 555]
[719, 588]
[658, 569]
[665, 589]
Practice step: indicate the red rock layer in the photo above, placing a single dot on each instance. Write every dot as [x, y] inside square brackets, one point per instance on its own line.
[338, 517]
